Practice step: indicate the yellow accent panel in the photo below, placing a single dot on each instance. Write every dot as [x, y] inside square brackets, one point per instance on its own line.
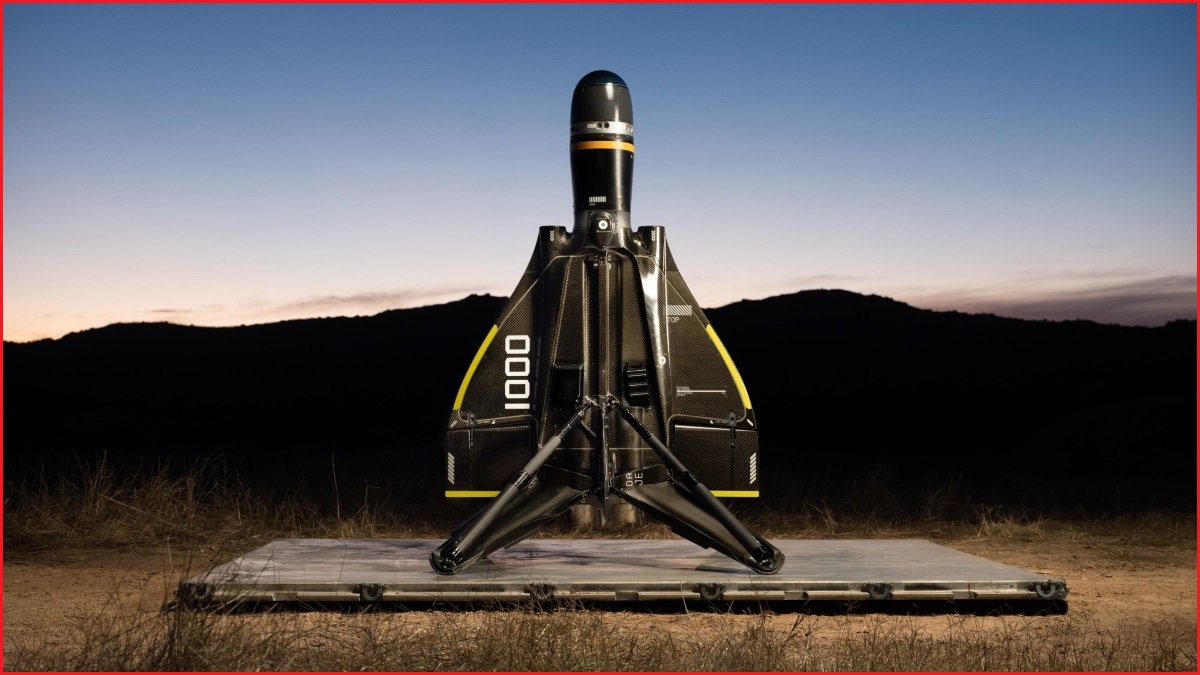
[462, 389]
[735, 493]
[737, 378]
[602, 145]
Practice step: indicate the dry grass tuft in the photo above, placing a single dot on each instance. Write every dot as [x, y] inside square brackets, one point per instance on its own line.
[101, 505]
[208, 505]
[572, 640]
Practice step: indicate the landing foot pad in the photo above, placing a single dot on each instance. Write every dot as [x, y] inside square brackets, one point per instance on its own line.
[613, 570]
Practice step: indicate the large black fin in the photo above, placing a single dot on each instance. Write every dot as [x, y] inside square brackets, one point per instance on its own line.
[590, 321]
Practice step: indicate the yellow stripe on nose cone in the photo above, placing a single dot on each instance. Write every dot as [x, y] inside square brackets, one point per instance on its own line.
[737, 378]
[462, 389]
[602, 145]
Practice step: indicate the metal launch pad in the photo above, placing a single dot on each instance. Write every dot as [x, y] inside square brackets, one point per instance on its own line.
[613, 570]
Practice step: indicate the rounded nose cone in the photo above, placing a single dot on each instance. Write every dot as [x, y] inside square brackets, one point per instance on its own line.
[601, 77]
[601, 96]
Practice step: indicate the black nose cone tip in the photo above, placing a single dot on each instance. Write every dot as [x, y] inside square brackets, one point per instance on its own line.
[601, 95]
[601, 77]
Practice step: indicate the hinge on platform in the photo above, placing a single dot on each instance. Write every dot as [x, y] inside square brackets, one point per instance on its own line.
[878, 590]
[540, 592]
[371, 592]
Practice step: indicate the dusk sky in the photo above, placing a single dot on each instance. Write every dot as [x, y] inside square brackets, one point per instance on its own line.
[222, 165]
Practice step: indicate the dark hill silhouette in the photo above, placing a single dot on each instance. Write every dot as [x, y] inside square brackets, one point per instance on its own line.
[868, 379]
[842, 383]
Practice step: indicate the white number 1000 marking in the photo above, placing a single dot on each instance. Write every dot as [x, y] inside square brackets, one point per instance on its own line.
[516, 368]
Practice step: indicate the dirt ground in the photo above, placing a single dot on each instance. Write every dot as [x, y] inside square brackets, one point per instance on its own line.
[1116, 578]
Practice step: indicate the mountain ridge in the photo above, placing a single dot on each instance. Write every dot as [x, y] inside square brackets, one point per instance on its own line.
[840, 382]
[825, 293]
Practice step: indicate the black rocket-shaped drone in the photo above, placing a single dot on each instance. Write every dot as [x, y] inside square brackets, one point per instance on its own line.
[602, 380]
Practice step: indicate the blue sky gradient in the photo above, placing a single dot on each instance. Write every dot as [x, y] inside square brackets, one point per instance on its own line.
[221, 165]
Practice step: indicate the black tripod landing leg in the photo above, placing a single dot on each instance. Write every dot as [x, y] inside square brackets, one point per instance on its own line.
[512, 515]
[695, 513]
[533, 507]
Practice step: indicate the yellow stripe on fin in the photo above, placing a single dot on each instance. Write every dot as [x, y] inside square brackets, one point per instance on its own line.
[462, 390]
[737, 378]
[473, 493]
[735, 493]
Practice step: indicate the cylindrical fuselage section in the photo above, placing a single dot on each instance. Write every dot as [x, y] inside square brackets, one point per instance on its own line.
[601, 147]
